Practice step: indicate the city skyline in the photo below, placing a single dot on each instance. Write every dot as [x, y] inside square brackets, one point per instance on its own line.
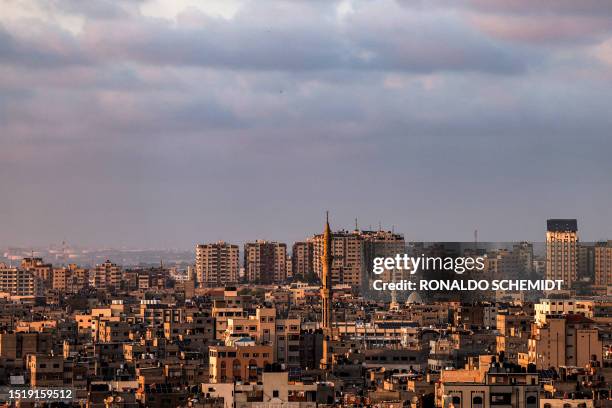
[306, 203]
[214, 336]
[148, 124]
[469, 237]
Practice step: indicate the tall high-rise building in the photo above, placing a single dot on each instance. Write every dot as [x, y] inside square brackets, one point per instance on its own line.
[302, 259]
[382, 244]
[504, 263]
[562, 250]
[353, 254]
[217, 264]
[19, 282]
[43, 272]
[106, 276]
[70, 279]
[603, 263]
[586, 261]
[347, 257]
[523, 256]
[265, 262]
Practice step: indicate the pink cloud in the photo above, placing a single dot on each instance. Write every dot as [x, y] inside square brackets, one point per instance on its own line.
[542, 29]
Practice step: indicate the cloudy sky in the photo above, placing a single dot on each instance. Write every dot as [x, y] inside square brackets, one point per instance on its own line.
[165, 123]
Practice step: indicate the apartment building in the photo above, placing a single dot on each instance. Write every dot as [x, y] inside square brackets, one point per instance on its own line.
[41, 270]
[19, 282]
[106, 276]
[260, 327]
[603, 263]
[15, 346]
[570, 340]
[155, 313]
[353, 253]
[491, 385]
[586, 262]
[265, 262]
[302, 259]
[562, 250]
[347, 257]
[114, 331]
[45, 370]
[287, 342]
[514, 332]
[241, 360]
[70, 279]
[217, 264]
[555, 306]
[381, 244]
[222, 315]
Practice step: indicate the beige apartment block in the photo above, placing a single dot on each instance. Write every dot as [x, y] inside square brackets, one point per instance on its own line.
[562, 251]
[19, 282]
[571, 340]
[265, 262]
[217, 264]
[353, 253]
[106, 276]
[603, 263]
[302, 259]
[242, 361]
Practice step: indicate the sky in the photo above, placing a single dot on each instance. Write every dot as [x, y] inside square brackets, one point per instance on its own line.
[161, 124]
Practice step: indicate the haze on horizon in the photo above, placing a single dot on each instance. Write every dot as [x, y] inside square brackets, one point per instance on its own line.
[150, 123]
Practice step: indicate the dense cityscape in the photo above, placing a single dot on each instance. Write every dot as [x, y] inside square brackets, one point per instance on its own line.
[300, 328]
[165, 165]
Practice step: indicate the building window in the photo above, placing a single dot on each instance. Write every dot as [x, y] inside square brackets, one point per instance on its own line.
[501, 399]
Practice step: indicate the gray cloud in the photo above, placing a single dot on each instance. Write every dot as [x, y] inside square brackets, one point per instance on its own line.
[35, 53]
[154, 132]
[286, 41]
[532, 23]
[568, 7]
